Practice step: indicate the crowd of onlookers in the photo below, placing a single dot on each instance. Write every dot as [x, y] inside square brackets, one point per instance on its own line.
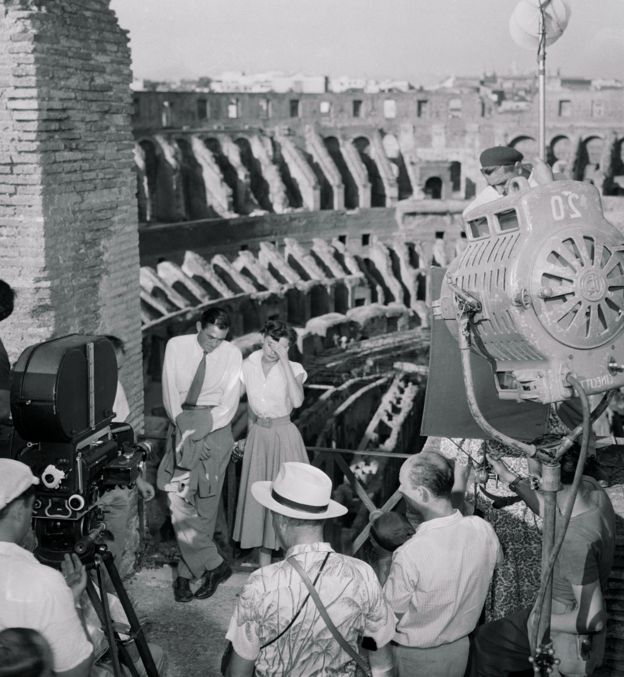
[314, 611]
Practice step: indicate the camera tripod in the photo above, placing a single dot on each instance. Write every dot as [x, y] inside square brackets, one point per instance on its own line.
[97, 557]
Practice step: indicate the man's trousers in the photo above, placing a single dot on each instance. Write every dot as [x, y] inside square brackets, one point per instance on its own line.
[448, 660]
[194, 521]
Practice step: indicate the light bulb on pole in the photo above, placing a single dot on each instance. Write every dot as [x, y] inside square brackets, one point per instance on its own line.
[534, 24]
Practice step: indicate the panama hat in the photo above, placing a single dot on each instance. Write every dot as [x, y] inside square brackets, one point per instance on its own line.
[300, 490]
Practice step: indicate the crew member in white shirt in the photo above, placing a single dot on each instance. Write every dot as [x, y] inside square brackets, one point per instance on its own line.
[33, 595]
[439, 578]
[201, 389]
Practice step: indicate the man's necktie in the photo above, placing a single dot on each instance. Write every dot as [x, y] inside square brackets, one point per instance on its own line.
[197, 382]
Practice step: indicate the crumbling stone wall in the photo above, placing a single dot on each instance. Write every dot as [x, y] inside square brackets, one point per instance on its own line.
[68, 228]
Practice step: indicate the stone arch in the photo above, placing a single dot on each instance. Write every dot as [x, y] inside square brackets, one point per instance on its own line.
[242, 204]
[351, 193]
[327, 192]
[193, 186]
[559, 153]
[527, 145]
[588, 160]
[455, 170]
[341, 297]
[618, 149]
[259, 185]
[319, 300]
[433, 188]
[159, 182]
[393, 153]
[144, 204]
[615, 180]
[378, 191]
[293, 194]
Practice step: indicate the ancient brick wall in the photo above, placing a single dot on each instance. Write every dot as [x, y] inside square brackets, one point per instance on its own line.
[68, 229]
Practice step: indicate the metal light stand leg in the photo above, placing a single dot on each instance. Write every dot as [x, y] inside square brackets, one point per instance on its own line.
[550, 485]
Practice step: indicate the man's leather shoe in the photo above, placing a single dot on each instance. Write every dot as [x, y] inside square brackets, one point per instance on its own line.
[212, 580]
[182, 590]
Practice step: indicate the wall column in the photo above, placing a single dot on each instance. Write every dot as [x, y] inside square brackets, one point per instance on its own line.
[68, 214]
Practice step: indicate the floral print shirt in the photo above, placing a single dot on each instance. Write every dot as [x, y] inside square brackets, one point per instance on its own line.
[273, 594]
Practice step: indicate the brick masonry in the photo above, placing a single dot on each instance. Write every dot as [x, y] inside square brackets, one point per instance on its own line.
[68, 216]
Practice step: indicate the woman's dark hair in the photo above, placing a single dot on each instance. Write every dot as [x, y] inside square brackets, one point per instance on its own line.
[24, 653]
[277, 329]
[216, 316]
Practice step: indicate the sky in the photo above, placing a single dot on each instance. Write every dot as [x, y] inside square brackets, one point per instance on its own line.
[422, 41]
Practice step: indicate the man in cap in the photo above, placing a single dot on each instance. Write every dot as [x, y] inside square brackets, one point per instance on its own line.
[499, 164]
[276, 628]
[33, 595]
[440, 577]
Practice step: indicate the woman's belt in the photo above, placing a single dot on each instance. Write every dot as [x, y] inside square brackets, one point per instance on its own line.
[193, 407]
[271, 422]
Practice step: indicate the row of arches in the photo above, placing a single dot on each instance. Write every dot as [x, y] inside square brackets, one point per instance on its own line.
[593, 158]
[177, 180]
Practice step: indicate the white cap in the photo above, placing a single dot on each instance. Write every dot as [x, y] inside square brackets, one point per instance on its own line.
[15, 478]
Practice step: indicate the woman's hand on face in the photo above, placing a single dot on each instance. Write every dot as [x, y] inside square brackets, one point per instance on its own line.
[281, 351]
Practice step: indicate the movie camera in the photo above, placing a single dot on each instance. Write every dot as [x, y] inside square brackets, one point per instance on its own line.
[62, 397]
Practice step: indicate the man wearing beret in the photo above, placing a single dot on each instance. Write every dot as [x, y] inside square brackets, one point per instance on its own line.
[499, 164]
[33, 595]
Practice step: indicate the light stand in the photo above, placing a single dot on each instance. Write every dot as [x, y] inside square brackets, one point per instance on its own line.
[541, 82]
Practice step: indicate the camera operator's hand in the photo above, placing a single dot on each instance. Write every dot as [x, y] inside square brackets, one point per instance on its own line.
[75, 575]
[146, 489]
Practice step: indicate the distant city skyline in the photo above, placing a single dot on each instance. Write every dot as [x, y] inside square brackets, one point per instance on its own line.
[415, 40]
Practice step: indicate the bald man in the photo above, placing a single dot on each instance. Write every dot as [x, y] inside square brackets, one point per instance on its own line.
[439, 578]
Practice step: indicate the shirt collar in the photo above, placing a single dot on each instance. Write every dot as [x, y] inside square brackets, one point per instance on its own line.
[199, 348]
[301, 548]
[15, 550]
[440, 522]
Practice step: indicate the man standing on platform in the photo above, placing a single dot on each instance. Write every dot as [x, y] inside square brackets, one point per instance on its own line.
[201, 389]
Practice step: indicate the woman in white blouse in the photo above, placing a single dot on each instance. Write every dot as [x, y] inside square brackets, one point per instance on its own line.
[274, 387]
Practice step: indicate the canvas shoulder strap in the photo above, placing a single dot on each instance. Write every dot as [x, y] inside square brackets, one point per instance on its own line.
[328, 621]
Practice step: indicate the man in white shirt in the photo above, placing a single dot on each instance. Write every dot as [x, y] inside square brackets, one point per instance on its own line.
[439, 578]
[201, 389]
[499, 164]
[33, 595]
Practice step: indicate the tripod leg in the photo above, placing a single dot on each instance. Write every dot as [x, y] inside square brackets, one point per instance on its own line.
[136, 629]
[100, 604]
[115, 645]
